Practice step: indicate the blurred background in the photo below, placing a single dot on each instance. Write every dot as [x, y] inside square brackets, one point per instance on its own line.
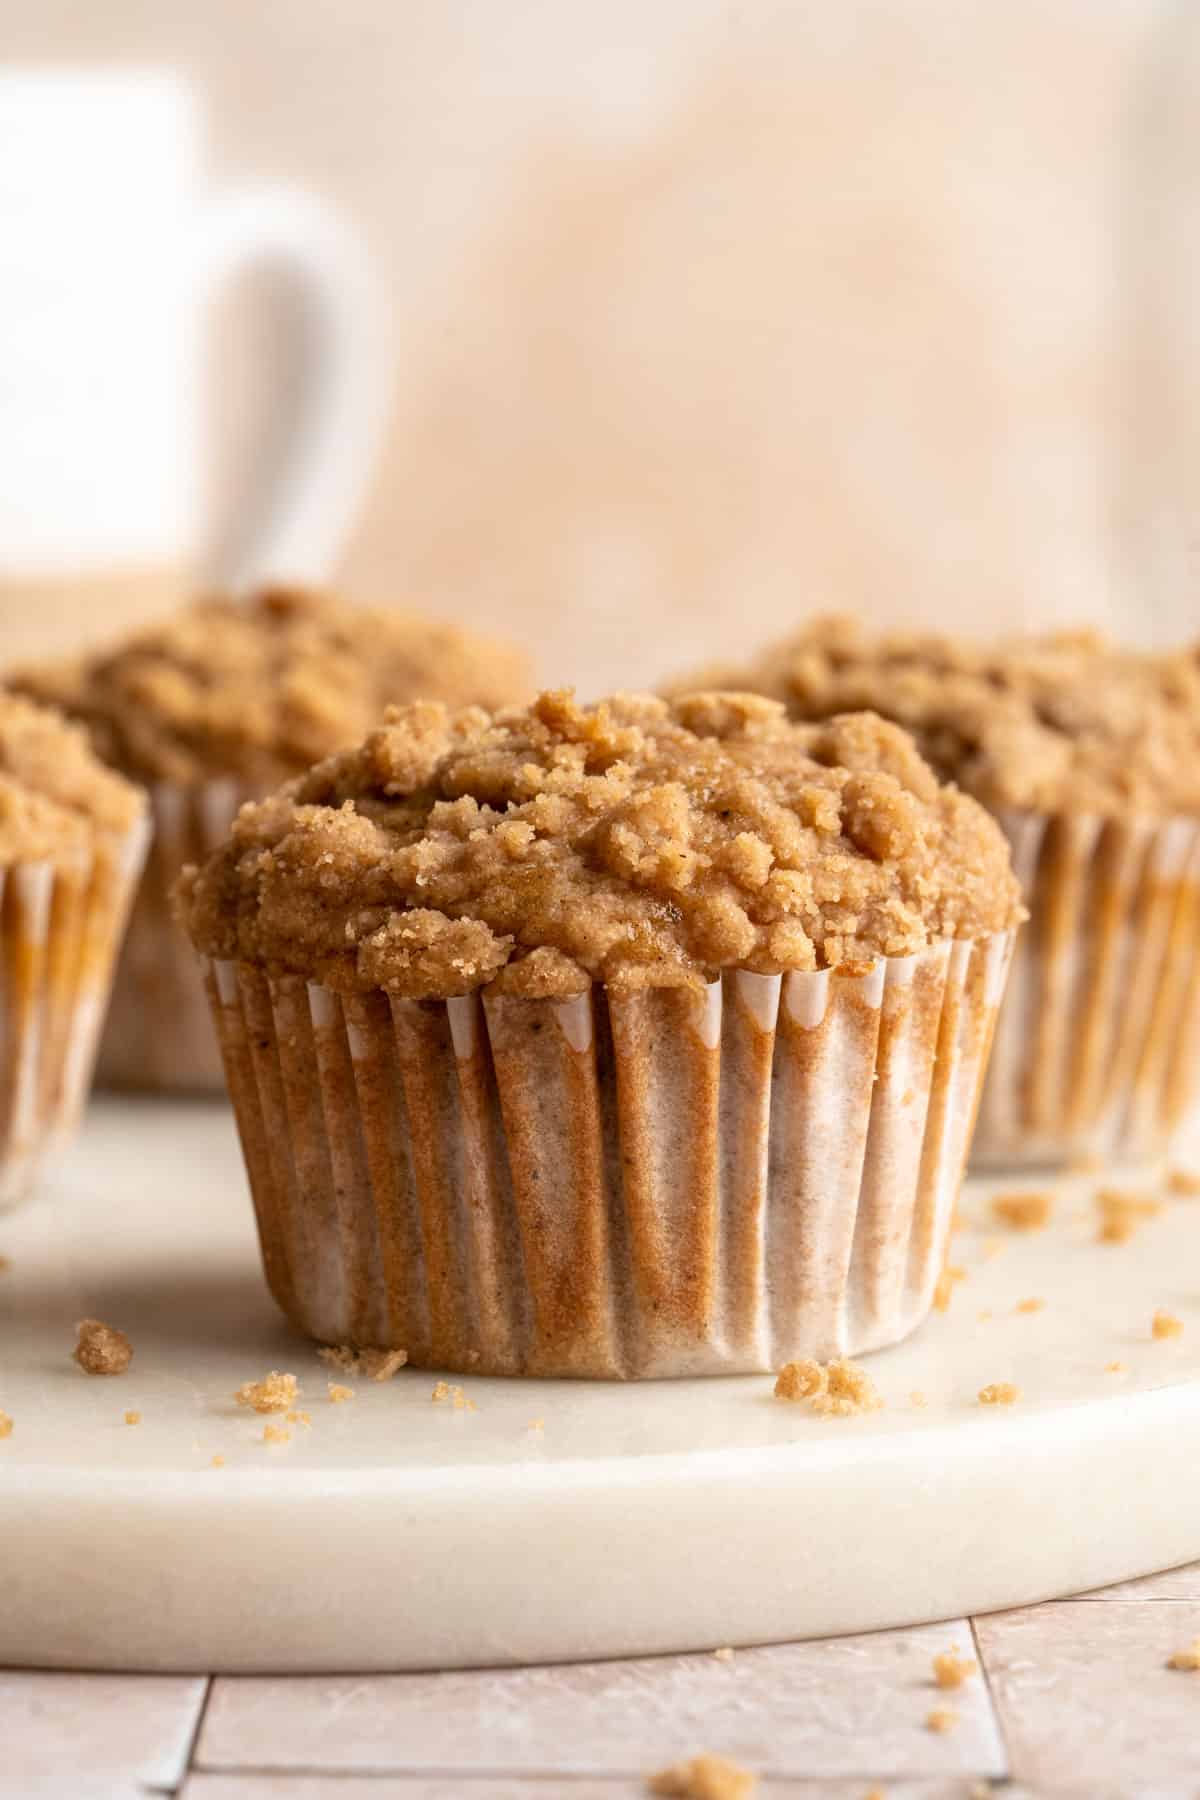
[701, 315]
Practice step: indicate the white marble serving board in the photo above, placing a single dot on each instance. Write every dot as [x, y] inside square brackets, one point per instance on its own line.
[398, 1534]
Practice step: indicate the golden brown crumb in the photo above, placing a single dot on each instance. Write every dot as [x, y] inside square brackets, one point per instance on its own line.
[6, 1425]
[1032, 1305]
[299, 1418]
[1166, 1325]
[999, 1393]
[1186, 1659]
[276, 1434]
[1121, 1214]
[338, 1393]
[536, 1425]
[918, 1398]
[724, 1653]
[451, 1391]
[943, 1292]
[837, 1389]
[218, 1462]
[275, 1393]
[133, 1418]
[950, 1669]
[1023, 1212]
[373, 1365]
[1184, 1182]
[941, 1720]
[703, 1778]
[101, 1350]
[1114, 1368]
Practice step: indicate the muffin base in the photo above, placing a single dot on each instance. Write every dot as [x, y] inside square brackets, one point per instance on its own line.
[1097, 1048]
[664, 1183]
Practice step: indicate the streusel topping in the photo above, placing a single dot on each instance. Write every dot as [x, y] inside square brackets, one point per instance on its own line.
[264, 688]
[638, 842]
[1068, 721]
[54, 793]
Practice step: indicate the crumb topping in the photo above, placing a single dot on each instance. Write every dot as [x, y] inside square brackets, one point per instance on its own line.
[445, 1390]
[6, 1425]
[835, 1389]
[218, 1462]
[373, 1365]
[275, 1393]
[338, 1394]
[1186, 1659]
[630, 842]
[1067, 721]
[1023, 1212]
[941, 1720]
[999, 1393]
[276, 1434]
[262, 688]
[1166, 1325]
[55, 794]
[1114, 1368]
[1032, 1305]
[1121, 1214]
[101, 1349]
[133, 1418]
[703, 1778]
[950, 1669]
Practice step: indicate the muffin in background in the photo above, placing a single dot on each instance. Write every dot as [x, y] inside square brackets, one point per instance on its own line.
[618, 1041]
[72, 840]
[218, 704]
[1089, 756]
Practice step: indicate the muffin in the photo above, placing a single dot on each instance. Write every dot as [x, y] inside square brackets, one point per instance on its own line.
[640, 1039]
[1089, 757]
[72, 840]
[218, 704]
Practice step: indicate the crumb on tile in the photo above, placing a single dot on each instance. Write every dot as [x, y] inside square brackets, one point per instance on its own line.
[101, 1349]
[133, 1418]
[950, 1669]
[1184, 1182]
[999, 1393]
[1114, 1368]
[1165, 1325]
[1186, 1659]
[299, 1418]
[276, 1434]
[942, 1719]
[836, 1389]
[339, 1394]
[373, 1365]
[6, 1425]
[1032, 1305]
[918, 1398]
[275, 1393]
[703, 1778]
[536, 1425]
[946, 1283]
[449, 1390]
[218, 1462]
[1023, 1211]
[724, 1653]
[1121, 1213]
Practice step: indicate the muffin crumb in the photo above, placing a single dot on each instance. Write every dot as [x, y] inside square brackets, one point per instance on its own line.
[1032, 1305]
[1023, 1211]
[338, 1394]
[536, 1425]
[1114, 1368]
[133, 1418]
[276, 1434]
[918, 1398]
[299, 1418]
[1184, 1182]
[704, 1777]
[1186, 1659]
[373, 1365]
[999, 1393]
[1166, 1325]
[6, 1425]
[275, 1393]
[941, 1720]
[950, 1669]
[1121, 1214]
[101, 1349]
[218, 1462]
[947, 1281]
[836, 1389]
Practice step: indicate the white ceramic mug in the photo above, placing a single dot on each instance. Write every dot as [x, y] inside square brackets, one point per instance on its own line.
[111, 250]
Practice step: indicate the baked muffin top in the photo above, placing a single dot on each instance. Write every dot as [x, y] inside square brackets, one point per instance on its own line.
[55, 794]
[1068, 722]
[637, 841]
[263, 688]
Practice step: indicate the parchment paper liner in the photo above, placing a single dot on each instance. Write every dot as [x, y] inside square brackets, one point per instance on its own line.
[60, 928]
[666, 1183]
[1098, 1044]
[159, 1030]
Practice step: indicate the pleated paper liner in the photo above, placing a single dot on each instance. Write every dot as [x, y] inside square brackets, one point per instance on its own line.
[1098, 1045]
[669, 1182]
[60, 928]
[159, 1033]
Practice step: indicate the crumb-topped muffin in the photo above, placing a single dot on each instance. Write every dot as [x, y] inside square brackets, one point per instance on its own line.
[1089, 754]
[72, 838]
[540, 1023]
[221, 702]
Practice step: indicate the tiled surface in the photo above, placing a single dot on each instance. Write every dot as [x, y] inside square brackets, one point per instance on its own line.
[1075, 1702]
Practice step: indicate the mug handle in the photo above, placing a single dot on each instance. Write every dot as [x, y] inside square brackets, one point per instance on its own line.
[296, 525]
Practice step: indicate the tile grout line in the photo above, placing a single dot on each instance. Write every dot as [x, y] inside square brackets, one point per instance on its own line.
[997, 1714]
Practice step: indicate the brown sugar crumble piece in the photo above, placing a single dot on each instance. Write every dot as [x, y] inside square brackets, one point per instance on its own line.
[1114, 1368]
[1121, 1214]
[6, 1425]
[101, 1349]
[950, 1669]
[703, 1778]
[299, 1418]
[942, 1719]
[218, 1462]
[1184, 1182]
[1032, 1305]
[374, 1365]
[1186, 1659]
[339, 1394]
[999, 1393]
[536, 1425]
[1023, 1212]
[275, 1393]
[835, 1389]
[1165, 1325]
[133, 1418]
[444, 1390]
[947, 1281]
[276, 1434]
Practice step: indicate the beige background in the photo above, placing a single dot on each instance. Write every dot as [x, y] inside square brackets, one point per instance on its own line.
[706, 313]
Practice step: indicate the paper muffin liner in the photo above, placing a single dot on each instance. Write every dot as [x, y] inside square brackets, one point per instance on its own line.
[669, 1182]
[159, 1032]
[1098, 1044]
[60, 928]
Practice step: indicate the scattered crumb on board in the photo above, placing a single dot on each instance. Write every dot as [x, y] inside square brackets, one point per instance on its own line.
[1024, 1211]
[724, 1653]
[447, 1390]
[942, 1719]
[999, 1393]
[1121, 1214]
[275, 1393]
[6, 1425]
[1185, 1182]
[299, 1418]
[339, 1394]
[101, 1349]
[133, 1418]
[1114, 1368]
[276, 1434]
[950, 1669]
[703, 1778]
[1186, 1659]
[1165, 1325]
[1032, 1305]
[918, 1398]
[218, 1462]
[836, 1389]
